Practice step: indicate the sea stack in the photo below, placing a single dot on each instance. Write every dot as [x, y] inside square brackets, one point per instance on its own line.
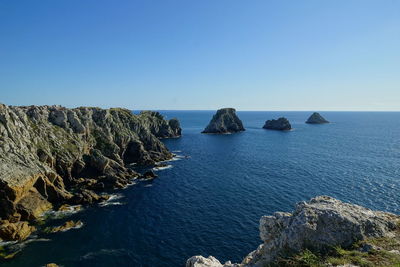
[281, 124]
[224, 121]
[316, 118]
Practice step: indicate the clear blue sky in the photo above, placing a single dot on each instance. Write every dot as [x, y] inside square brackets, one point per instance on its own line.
[202, 54]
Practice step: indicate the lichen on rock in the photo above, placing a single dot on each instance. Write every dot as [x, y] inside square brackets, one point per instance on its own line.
[324, 226]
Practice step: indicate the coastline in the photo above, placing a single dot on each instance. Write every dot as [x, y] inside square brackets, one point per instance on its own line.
[54, 158]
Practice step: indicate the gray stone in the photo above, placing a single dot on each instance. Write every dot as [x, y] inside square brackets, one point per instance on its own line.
[319, 224]
[224, 121]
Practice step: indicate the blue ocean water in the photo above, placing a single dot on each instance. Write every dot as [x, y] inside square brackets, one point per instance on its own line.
[210, 202]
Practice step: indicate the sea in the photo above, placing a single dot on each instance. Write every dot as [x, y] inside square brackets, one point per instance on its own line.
[209, 199]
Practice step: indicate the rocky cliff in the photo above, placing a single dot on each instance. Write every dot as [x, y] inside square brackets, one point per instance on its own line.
[322, 232]
[281, 124]
[316, 118]
[51, 155]
[224, 121]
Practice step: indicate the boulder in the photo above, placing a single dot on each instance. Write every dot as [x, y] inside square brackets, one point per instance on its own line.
[281, 124]
[321, 223]
[317, 225]
[316, 118]
[200, 261]
[224, 121]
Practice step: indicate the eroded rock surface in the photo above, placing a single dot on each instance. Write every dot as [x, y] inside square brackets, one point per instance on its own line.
[51, 155]
[224, 121]
[317, 225]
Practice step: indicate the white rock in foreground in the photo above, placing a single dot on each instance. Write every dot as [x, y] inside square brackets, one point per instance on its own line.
[318, 224]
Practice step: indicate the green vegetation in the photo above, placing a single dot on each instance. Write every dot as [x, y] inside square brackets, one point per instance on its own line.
[124, 114]
[304, 259]
[381, 252]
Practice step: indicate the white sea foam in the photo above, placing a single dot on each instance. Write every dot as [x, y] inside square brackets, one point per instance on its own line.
[129, 185]
[160, 168]
[107, 252]
[105, 204]
[7, 243]
[62, 213]
[112, 201]
[77, 226]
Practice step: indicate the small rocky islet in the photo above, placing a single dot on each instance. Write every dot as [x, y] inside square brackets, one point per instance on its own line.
[281, 124]
[52, 156]
[316, 118]
[225, 121]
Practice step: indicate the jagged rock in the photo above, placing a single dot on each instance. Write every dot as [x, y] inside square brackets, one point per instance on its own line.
[86, 196]
[224, 121]
[318, 225]
[321, 223]
[281, 124]
[69, 208]
[66, 226]
[15, 231]
[316, 118]
[160, 127]
[149, 175]
[48, 152]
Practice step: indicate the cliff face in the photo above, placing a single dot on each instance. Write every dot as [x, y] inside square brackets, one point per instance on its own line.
[281, 124]
[224, 121]
[338, 232]
[50, 155]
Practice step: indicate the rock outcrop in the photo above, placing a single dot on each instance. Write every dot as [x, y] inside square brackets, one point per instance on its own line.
[281, 124]
[65, 227]
[149, 175]
[318, 225]
[51, 155]
[316, 118]
[224, 121]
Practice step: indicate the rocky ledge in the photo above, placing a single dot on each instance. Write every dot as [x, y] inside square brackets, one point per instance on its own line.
[322, 232]
[316, 118]
[51, 155]
[281, 124]
[224, 121]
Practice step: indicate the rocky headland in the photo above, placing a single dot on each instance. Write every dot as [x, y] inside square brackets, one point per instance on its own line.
[51, 156]
[316, 118]
[281, 124]
[224, 121]
[322, 232]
